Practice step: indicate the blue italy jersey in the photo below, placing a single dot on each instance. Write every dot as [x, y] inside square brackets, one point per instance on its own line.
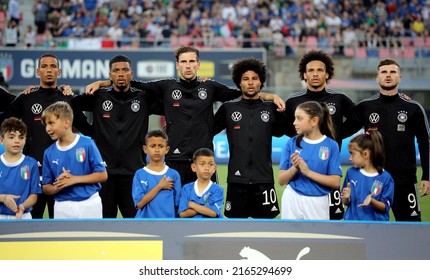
[164, 204]
[322, 156]
[82, 158]
[19, 178]
[212, 197]
[362, 184]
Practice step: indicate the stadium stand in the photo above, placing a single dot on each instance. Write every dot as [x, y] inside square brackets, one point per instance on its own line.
[286, 27]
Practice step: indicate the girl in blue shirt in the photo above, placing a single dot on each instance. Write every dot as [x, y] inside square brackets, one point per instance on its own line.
[368, 189]
[310, 164]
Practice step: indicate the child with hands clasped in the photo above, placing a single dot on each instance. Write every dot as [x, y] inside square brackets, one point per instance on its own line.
[368, 190]
[310, 164]
[202, 198]
[156, 187]
[72, 167]
[19, 174]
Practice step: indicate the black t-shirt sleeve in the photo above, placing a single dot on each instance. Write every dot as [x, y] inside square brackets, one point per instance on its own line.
[219, 120]
[353, 123]
[280, 124]
[16, 106]
[81, 103]
[289, 129]
[224, 93]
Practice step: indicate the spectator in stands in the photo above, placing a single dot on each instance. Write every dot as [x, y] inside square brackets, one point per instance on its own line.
[89, 5]
[40, 11]
[418, 26]
[14, 12]
[246, 35]
[183, 26]
[333, 22]
[134, 8]
[55, 5]
[310, 24]
[349, 37]
[242, 9]
[407, 25]
[11, 34]
[30, 37]
[115, 33]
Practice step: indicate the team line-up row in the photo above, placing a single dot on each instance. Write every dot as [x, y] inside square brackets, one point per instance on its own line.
[93, 177]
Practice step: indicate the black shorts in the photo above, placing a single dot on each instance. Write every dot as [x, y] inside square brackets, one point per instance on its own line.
[255, 201]
[406, 206]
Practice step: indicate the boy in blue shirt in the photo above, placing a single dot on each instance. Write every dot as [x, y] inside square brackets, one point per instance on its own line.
[19, 174]
[202, 198]
[72, 167]
[156, 187]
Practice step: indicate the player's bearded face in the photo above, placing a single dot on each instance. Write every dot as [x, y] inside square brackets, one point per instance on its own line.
[121, 86]
[121, 75]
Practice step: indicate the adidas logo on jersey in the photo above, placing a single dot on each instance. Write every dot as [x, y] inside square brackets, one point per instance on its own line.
[414, 214]
[176, 152]
[274, 209]
[238, 173]
[338, 211]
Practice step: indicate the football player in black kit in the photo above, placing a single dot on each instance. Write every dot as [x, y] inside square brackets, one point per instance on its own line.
[29, 107]
[120, 123]
[316, 68]
[250, 124]
[400, 120]
[188, 106]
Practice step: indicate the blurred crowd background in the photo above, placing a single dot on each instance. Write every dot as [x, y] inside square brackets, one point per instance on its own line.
[342, 27]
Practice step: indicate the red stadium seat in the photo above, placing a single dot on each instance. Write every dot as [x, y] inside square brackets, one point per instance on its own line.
[361, 52]
[185, 40]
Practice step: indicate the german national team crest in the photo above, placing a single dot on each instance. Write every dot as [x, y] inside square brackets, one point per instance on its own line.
[402, 116]
[323, 153]
[80, 154]
[6, 66]
[202, 93]
[25, 172]
[376, 187]
[265, 116]
[135, 106]
[331, 108]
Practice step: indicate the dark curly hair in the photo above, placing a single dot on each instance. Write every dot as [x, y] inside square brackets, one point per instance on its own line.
[248, 64]
[320, 56]
[13, 124]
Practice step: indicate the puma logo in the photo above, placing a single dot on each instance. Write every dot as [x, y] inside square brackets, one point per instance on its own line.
[144, 182]
[55, 161]
[354, 182]
[252, 254]
[247, 253]
[302, 253]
